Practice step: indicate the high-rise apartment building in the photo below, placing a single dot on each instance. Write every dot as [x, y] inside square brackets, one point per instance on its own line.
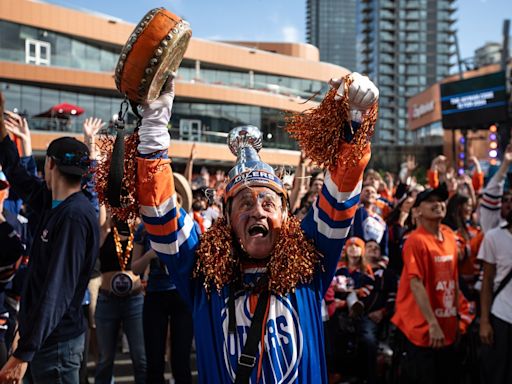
[331, 26]
[405, 46]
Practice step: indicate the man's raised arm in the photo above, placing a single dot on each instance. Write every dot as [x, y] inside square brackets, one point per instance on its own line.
[170, 229]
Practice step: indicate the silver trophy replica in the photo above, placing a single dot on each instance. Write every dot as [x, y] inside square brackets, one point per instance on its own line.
[245, 142]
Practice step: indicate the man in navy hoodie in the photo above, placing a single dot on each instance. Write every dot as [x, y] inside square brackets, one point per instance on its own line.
[62, 256]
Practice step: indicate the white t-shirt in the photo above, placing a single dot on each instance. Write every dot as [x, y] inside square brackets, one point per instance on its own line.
[497, 249]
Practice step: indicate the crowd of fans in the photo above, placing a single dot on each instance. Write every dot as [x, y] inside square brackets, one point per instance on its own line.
[421, 293]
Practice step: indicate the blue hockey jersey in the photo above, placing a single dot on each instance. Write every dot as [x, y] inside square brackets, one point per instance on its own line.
[293, 343]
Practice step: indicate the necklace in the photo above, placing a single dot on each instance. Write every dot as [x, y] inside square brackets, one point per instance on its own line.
[123, 258]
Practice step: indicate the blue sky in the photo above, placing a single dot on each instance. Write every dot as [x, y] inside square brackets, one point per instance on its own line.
[479, 21]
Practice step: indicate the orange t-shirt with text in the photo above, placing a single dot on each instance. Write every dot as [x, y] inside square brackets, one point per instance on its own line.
[434, 262]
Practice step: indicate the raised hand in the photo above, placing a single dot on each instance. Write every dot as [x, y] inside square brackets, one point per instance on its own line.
[362, 93]
[18, 126]
[507, 156]
[439, 164]
[153, 133]
[92, 126]
[220, 176]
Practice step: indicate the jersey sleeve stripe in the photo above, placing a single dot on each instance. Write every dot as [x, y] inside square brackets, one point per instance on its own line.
[336, 214]
[170, 244]
[334, 195]
[333, 223]
[326, 230]
[159, 211]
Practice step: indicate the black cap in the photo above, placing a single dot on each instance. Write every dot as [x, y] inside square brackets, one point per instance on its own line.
[441, 192]
[70, 155]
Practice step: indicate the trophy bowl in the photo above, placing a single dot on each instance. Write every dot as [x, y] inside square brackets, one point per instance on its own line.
[154, 50]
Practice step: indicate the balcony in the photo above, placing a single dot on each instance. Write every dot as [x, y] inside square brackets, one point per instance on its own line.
[367, 59]
[387, 4]
[412, 16]
[387, 83]
[386, 26]
[387, 37]
[387, 69]
[387, 48]
[367, 28]
[368, 39]
[412, 27]
[412, 5]
[387, 59]
[451, 8]
[366, 7]
[387, 15]
[367, 18]
[367, 49]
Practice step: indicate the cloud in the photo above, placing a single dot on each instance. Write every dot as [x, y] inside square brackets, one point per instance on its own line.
[290, 33]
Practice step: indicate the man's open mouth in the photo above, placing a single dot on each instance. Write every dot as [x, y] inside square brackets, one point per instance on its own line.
[258, 230]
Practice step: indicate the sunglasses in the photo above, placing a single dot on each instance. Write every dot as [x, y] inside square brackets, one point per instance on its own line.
[74, 158]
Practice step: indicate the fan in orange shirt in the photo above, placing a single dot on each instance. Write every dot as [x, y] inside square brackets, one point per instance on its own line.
[427, 299]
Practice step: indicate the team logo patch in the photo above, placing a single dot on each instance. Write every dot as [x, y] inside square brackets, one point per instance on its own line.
[283, 339]
[121, 284]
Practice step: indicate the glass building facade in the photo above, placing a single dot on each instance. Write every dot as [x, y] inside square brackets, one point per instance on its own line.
[65, 51]
[331, 27]
[282, 85]
[214, 120]
[405, 46]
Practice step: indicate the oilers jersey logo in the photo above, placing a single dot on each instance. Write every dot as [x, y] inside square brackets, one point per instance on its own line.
[283, 339]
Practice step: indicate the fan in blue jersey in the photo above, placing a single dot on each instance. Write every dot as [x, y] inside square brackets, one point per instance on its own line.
[257, 250]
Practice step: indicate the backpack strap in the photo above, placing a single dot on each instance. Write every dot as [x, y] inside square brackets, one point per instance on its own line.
[247, 359]
[503, 283]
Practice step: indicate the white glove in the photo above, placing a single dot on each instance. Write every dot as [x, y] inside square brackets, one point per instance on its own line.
[153, 133]
[362, 93]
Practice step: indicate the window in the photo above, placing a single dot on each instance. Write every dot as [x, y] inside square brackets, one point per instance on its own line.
[37, 52]
[190, 130]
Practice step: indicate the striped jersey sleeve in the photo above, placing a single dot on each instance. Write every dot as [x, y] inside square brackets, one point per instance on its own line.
[170, 229]
[490, 204]
[329, 219]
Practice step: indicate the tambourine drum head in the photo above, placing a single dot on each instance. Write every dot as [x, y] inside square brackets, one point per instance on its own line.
[155, 48]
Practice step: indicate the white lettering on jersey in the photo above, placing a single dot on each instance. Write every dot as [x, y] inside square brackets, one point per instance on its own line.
[283, 339]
